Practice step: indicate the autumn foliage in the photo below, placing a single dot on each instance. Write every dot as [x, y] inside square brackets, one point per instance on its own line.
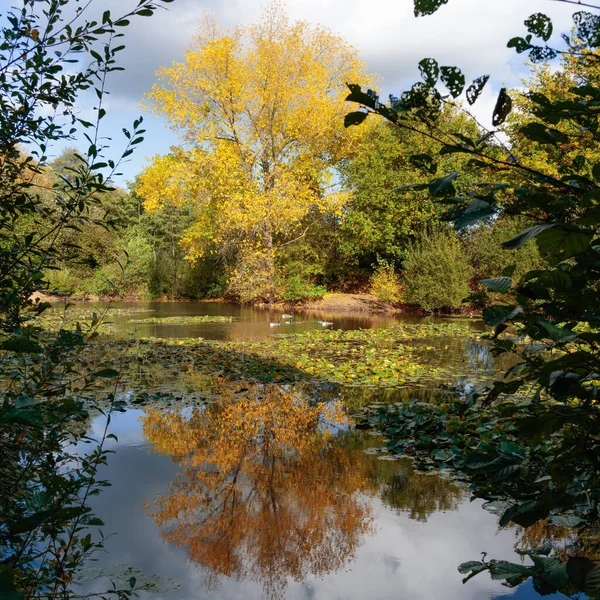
[263, 492]
[260, 110]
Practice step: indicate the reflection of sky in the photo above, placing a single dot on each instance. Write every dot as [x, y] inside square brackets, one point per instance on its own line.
[403, 559]
[249, 322]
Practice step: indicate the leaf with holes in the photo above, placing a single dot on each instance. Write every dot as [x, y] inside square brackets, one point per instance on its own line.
[427, 7]
[540, 25]
[429, 71]
[475, 89]
[502, 108]
[454, 80]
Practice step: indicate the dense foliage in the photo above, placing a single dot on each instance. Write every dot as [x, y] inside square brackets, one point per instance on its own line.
[45, 484]
[529, 443]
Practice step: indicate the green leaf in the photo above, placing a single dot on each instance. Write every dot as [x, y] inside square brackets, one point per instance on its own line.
[592, 581]
[537, 132]
[563, 242]
[502, 108]
[357, 95]
[596, 171]
[526, 235]
[578, 569]
[443, 185]
[520, 44]
[8, 590]
[512, 573]
[21, 344]
[429, 71]
[498, 284]
[411, 186]
[475, 89]
[465, 567]
[496, 315]
[355, 118]
[424, 162]
[427, 7]
[559, 334]
[106, 373]
[540, 25]
[454, 80]
[475, 211]
[587, 27]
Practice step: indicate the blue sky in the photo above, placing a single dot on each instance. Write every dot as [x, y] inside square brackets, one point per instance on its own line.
[471, 34]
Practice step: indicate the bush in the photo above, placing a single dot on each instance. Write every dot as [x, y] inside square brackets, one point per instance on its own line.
[296, 288]
[437, 272]
[489, 258]
[137, 262]
[385, 283]
[61, 281]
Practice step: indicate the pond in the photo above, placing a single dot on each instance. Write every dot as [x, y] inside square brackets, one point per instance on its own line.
[263, 489]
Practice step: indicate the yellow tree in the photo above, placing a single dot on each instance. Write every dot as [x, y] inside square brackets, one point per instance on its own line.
[574, 149]
[260, 109]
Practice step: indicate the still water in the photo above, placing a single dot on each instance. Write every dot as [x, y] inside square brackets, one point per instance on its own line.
[276, 496]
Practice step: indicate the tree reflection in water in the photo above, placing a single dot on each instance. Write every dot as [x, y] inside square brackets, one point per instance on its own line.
[266, 491]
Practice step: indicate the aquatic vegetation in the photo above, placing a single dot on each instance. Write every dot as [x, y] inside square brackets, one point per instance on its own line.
[183, 320]
[368, 357]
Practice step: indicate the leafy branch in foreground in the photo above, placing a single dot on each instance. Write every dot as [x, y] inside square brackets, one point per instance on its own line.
[48, 57]
[528, 444]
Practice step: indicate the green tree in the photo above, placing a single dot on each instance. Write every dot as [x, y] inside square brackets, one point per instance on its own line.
[379, 221]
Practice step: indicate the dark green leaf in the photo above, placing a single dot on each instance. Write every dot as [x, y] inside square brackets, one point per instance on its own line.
[521, 45]
[355, 118]
[429, 71]
[537, 132]
[21, 344]
[427, 7]
[526, 235]
[475, 211]
[498, 284]
[540, 25]
[357, 95]
[502, 108]
[496, 315]
[475, 89]
[454, 80]
[563, 242]
[424, 162]
[443, 185]
[106, 373]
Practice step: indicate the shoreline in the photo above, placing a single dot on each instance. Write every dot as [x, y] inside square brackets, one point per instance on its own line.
[332, 302]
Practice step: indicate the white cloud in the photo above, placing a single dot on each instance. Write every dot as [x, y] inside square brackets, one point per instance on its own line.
[470, 34]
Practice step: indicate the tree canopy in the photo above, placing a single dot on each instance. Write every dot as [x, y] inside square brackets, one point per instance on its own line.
[260, 109]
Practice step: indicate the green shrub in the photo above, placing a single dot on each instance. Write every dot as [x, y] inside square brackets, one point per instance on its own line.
[437, 272]
[297, 288]
[489, 258]
[385, 283]
[61, 281]
[137, 262]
